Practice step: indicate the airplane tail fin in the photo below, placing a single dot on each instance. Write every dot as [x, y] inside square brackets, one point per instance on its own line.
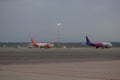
[34, 43]
[87, 40]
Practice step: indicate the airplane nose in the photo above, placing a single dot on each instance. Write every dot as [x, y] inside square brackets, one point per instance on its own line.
[52, 44]
[110, 44]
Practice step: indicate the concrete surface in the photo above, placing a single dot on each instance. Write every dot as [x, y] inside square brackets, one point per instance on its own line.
[59, 64]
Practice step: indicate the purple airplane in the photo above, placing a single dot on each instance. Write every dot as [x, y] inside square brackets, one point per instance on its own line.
[98, 44]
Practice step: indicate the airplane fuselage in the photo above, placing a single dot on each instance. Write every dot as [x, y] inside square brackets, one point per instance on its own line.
[47, 45]
[102, 44]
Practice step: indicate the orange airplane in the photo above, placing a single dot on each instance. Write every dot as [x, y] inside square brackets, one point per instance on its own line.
[41, 45]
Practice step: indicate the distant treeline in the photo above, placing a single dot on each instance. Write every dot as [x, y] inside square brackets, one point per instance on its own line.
[67, 44]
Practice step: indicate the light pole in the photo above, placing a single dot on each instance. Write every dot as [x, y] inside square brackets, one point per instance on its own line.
[58, 33]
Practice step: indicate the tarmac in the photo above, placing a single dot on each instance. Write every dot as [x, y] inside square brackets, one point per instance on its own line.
[59, 64]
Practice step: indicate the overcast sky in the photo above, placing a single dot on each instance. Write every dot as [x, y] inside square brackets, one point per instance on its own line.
[22, 19]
